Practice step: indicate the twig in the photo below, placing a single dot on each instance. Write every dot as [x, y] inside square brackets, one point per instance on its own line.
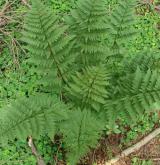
[152, 159]
[15, 46]
[147, 2]
[3, 21]
[135, 147]
[26, 3]
[11, 161]
[5, 7]
[39, 158]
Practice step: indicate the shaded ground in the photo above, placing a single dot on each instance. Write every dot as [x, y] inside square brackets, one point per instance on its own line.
[149, 152]
[110, 147]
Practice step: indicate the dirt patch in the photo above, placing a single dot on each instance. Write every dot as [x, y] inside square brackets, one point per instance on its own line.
[109, 147]
[151, 151]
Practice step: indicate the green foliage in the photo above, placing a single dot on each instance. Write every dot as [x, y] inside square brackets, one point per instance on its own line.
[49, 48]
[148, 37]
[136, 92]
[16, 153]
[81, 133]
[145, 123]
[120, 27]
[60, 6]
[88, 89]
[33, 116]
[49, 150]
[88, 23]
[74, 78]
[144, 60]
[136, 161]
[24, 77]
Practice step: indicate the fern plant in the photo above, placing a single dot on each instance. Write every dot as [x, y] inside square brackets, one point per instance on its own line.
[85, 85]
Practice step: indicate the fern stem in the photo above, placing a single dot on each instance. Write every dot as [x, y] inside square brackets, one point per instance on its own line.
[88, 92]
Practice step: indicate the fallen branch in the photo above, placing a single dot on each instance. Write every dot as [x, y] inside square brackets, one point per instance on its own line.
[39, 158]
[134, 148]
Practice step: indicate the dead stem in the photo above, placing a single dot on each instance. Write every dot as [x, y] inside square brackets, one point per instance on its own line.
[39, 158]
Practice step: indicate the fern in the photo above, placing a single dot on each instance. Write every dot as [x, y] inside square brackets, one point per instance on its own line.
[81, 132]
[88, 89]
[88, 24]
[137, 93]
[33, 116]
[49, 48]
[74, 64]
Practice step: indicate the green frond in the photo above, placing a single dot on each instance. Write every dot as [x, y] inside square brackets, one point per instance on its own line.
[87, 22]
[88, 89]
[138, 92]
[81, 132]
[47, 43]
[144, 60]
[121, 27]
[32, 116]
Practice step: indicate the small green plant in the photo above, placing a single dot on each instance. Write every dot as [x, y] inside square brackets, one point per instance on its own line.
[16, 154]
[136, 161]
[60, 6]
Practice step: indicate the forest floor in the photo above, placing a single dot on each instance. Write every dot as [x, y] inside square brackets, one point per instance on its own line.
[151, 152]
[148, 153]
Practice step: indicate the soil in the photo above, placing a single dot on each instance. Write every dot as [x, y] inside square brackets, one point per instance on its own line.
[149, 152]
[110, 146]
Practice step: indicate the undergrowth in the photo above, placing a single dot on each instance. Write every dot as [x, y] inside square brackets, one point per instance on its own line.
[26, 77]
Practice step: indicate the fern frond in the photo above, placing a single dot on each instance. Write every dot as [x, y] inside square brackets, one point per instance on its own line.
[32, 116]
[88, 89]
[137, 92]
[144, 60]
[121, 28]
[87, 22]
[81, 132]
[49, 47]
